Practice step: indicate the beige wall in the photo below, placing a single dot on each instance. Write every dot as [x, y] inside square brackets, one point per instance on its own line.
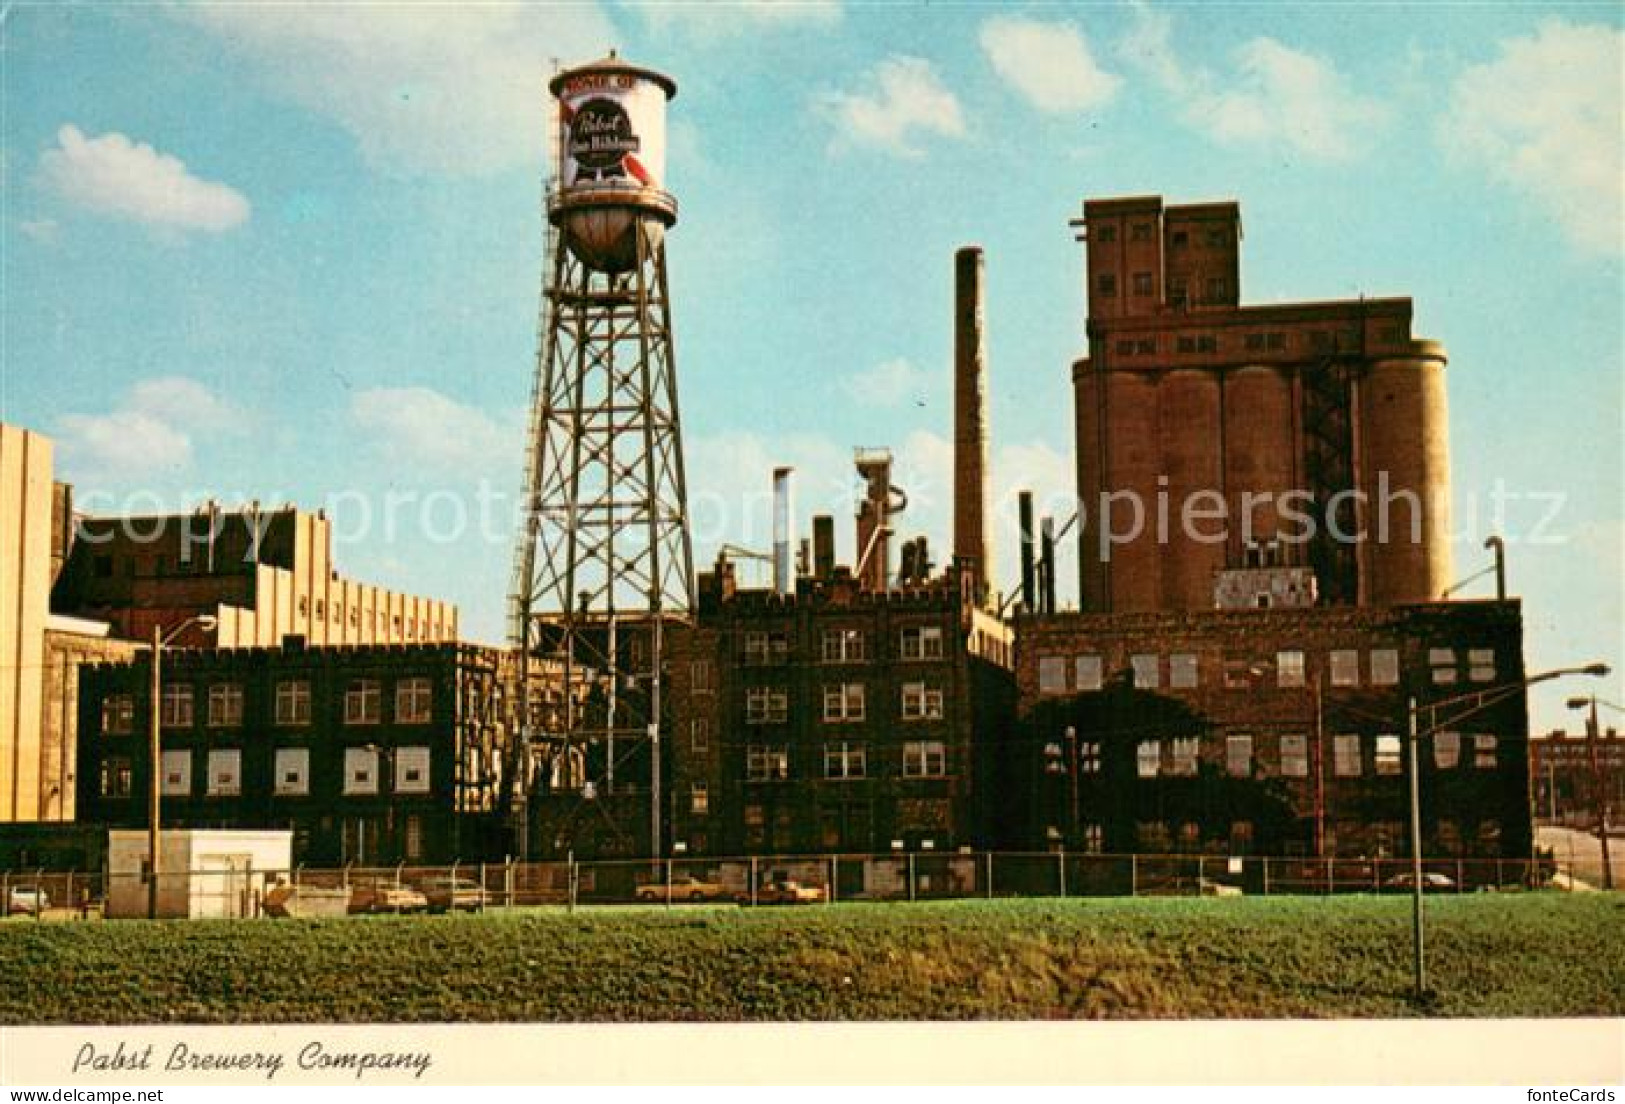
[68, 646]
[25, 590]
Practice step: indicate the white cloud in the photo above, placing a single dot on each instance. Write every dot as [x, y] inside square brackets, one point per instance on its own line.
[1048, 63]
[421, 429]
[457, 89]
[41, 230]
[904, 98]
[150, 433]
[113, 175]
[1545, 119]
[740, 17]
[889, 383]
[1277, 95]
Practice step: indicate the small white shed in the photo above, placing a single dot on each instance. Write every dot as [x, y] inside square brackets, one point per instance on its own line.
[203, 873]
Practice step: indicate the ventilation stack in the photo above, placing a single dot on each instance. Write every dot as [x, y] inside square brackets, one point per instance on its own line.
[784, 537]
[972, 548]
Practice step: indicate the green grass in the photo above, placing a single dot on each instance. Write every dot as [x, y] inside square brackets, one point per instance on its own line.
[1496, 955]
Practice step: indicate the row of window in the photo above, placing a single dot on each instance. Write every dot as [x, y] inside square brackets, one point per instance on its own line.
[1216, 237]
[1257, 341]
[1345, 667]
[916, 642]
[921, 759]
[223, 776]
[363, 704]
[1180, 755]
[844, 702]
[1383, 837]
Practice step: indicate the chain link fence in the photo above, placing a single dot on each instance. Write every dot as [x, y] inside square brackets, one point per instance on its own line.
[807, 880]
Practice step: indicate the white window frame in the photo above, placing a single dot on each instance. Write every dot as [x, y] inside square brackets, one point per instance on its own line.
[225, 705]
[1052, 674]
[844, 703]
[1184, 755]
[177, 773]
[291, 761]
[1184, 671]
[225, 777]
[699, 734]
[925, 759]
[360, 772]
[699, 799]
[1147, 668]
[1090, 671]
[766, 762]
[918, 642]
[1148, 759]
[845, 761]
[293, 702]
[1347, 764]
[414, 700]
[921, 702]
[1291, 668]
[1446, 750]
[1345, 666]
[178, 707]
[1442, 666]
[1481, 665]
[1294, 751]
[1089, 757]
[1486, 751]
[844, 646]
[1388, 755]
[412, 760]
[364, 702]
[1232, 742]
[118, 714]
[766, 705]
[1384, 666]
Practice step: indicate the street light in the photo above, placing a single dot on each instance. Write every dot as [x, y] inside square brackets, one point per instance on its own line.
[1478, 701]
[160, 640]
[1597, 782]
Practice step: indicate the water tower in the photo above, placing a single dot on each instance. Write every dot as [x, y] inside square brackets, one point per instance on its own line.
[604, 562]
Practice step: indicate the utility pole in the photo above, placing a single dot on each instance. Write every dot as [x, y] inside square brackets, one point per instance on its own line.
[1600, 788]
[1418, 954]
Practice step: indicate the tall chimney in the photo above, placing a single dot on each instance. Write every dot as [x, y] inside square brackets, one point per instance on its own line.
[873, 568]
[784, 538]
[971, 512]
[823, 546]
[1047, 585]
[1029, 580]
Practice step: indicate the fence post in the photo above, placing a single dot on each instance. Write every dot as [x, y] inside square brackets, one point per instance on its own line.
[1500, 874]
[1266, 862]
[911, 875]
[5, 889]
[1461, 876]
[1329, 879]
[989, 864]
[507, 881]
[834, 878]
[751, 896]
[400, 866]
[1060, 867]
[1134, 875]
[668, 883]
[69, 900]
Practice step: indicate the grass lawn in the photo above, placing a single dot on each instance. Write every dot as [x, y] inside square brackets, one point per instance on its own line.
[1500, 955]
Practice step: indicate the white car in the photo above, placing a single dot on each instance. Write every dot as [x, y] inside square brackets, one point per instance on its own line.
[31, 900]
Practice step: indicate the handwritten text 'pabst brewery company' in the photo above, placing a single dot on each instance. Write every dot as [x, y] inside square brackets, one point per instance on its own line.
[314, 1057]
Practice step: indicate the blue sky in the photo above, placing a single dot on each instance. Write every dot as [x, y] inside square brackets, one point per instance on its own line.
[293, 253]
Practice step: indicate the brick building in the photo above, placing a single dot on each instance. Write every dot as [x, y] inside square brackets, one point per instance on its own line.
[1275, 732]
[1569, 774]
[376, 754]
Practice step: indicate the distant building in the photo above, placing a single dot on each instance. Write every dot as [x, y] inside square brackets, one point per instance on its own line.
[1569, 774]
[369, 755]
[1274, 731]
[262, 574]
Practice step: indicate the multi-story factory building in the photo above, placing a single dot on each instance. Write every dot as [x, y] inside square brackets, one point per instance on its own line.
[369, 755]
[839, 719]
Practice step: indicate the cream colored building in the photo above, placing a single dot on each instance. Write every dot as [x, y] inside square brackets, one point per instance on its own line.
[26, 505]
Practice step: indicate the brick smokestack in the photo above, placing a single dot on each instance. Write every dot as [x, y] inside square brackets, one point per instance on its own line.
[971, 513]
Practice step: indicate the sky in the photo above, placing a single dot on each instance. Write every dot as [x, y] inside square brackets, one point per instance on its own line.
[293, 253]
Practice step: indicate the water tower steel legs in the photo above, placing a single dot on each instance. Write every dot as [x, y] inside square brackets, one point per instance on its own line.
[606, 540]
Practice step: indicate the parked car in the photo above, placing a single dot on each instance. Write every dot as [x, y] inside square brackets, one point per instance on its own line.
[1207, 887]
[387, 897]
[785, 891]
[28, 899]
[1431, 882]
[687, 888]
[447, 894]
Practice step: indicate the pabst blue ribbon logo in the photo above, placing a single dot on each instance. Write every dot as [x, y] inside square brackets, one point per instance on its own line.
[602, 143]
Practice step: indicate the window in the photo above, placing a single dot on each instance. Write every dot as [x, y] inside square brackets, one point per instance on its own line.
[412, 844]
[1179, 290]
[1089, 756]
[921, 642]
[763, 648]
[699, 734]
[414, 701]
[699, 676]
[1217, 237]
[699, 799]
[1388, 755]
[116, 780]
[177, 774]
[1106, 234]
[766, 705]
[1182, 671]
[1142, 283]
[925, 759]
[225, 705]
[1442, 662]
[844, 646]
[293, 702]
[1125, 347]
[1181, 239]
[1346, 761]
[1094, 839]
[1481, 664]
[1254, 342]
[1217, 288]
[1145, 346]
[1484, 751]
[1107, 283]
[1148, 758]
[363, 702]
[360, 771]
[292, 772]
[1275, 341]
[1183, 752]
[921, 702]
[1384, 667]
[225, 773]
[844, 761]
[1237, 675]
[1141, 232]
[1294, 755]
[1089, 671]
[177, 706]
[118, 714]
[1446, 749]
[1146, 671]
[1238, 754]
[1345, 667]
[1241, 837]
[843, 702]
[1052, 674]
[764, 763]
[1289, 668]
[412, 770]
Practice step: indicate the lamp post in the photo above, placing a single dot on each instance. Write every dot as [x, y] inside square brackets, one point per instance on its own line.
[160, 640]
[1598, 784]
[1476, 702]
